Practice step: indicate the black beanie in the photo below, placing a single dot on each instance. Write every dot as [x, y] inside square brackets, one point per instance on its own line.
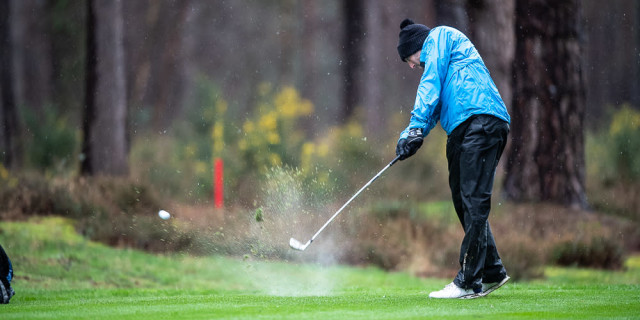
[412, 36]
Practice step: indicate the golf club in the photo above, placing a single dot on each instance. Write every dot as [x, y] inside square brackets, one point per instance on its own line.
[297, 245]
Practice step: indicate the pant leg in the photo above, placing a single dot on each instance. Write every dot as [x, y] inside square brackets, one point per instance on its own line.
[6, 269]
[6, 274]
[480, 149]
[453, 159]
[454, 141]
[493, 271]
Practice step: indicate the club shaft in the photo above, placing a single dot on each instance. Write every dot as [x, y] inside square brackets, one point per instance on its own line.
[354, 196]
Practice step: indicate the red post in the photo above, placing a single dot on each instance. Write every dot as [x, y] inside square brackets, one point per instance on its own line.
[218, 185]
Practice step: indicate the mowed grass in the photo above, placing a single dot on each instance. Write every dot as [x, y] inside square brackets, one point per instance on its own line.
[60, 275]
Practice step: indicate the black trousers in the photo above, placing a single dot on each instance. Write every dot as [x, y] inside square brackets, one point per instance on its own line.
[6, 270]
[473, 151]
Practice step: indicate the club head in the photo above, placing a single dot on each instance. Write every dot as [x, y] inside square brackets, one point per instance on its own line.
[297, 245]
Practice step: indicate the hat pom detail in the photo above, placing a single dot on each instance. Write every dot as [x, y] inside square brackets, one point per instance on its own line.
[405, 23]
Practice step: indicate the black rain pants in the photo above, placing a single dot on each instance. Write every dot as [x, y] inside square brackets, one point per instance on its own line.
[6, 275]
[473, 151]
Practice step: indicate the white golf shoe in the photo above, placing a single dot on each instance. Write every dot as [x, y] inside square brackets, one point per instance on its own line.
[491, 287]
[451, 291]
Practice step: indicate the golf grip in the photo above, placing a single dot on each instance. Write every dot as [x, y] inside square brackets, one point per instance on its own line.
[354, 196]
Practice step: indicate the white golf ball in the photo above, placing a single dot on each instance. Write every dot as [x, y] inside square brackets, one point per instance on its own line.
[164, 215]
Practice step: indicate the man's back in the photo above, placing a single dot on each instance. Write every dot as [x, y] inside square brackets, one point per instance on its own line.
[455, 84]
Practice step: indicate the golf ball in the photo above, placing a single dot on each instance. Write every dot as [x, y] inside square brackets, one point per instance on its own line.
[164, 215]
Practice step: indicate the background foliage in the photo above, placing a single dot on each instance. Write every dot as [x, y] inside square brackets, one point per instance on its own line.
[198, 89]
[404, 222]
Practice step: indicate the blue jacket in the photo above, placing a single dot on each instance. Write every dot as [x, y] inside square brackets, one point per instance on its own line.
[455, 84]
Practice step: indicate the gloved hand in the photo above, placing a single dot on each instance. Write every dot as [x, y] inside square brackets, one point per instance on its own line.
[408, 146]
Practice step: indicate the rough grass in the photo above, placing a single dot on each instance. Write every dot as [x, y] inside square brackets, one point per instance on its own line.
[60, 275]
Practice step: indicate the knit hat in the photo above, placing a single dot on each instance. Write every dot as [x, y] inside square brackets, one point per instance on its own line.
[412, 36]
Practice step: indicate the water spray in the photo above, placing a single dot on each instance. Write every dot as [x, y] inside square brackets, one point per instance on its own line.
[297, 245]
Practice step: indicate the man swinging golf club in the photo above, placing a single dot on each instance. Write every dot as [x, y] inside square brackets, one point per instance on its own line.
[457, 90]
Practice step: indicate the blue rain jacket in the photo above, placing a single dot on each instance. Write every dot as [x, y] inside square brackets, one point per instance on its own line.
[455, 84]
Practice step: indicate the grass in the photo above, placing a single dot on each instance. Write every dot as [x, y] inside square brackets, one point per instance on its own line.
[60, 275]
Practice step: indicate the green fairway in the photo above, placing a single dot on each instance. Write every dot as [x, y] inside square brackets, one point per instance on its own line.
[515, 301]
[59, 275]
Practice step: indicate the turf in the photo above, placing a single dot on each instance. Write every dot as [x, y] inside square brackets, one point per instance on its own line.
[60, 275]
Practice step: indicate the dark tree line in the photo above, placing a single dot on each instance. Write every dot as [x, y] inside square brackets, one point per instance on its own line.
[132, 65]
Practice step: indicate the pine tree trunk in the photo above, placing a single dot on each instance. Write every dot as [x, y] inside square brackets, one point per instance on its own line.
[546, 158]
[105, 145]
[353, 48]
[372, 99]
[491, 30]
[33, 56]
[10, 151]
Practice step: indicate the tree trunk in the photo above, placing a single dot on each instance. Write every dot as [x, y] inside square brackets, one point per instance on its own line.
[612, 54]
[10, 151]
[453, 13]
[33, 57]
[353, 49]
[168, 77]
[372, 99]
[68, 53]
[307, 81]
[491, 30]
[546, 158]
[105, 145]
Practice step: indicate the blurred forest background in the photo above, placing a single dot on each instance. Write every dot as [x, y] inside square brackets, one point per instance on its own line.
[112, 110]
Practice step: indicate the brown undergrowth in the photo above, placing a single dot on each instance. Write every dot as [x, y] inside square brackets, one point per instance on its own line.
[421, 238]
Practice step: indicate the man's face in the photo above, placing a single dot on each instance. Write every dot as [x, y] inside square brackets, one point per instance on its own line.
[414, 60]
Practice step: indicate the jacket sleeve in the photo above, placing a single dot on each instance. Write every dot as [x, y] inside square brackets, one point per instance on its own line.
[426, 110]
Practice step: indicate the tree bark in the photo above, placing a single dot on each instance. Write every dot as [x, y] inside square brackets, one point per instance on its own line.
[612, 57]
[491, 24]
[453, 13]
[67, 32]
[372, 99]
[353, 48]
[10, 151]
[105, 144]
[546, 158]
[168, 80]
[33, 56]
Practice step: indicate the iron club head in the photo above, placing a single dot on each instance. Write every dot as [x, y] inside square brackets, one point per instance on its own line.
[297, 245]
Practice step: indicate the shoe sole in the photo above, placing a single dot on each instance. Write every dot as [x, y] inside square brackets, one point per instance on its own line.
[469, 296]
[472, 296]
[481, 294]
[494, 288]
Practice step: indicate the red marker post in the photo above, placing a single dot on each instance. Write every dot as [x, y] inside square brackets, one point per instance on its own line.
[218, 183]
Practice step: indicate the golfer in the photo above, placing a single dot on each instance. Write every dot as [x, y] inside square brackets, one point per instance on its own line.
[457, 90]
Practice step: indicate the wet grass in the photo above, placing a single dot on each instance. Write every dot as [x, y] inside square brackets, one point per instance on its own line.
[60, 275]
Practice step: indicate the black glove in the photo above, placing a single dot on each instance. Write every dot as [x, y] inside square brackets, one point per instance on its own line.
[408, 146]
